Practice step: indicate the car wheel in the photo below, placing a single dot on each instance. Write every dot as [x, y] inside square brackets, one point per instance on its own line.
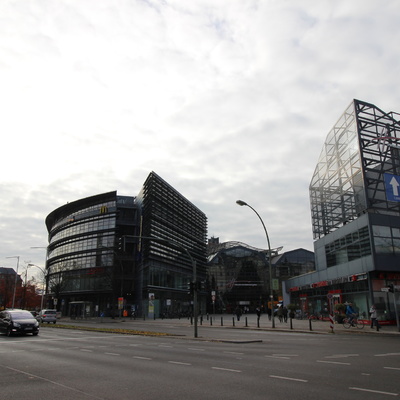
[54, 322]
[35, 333]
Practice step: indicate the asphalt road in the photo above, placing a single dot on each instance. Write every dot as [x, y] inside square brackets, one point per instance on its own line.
[73, 364]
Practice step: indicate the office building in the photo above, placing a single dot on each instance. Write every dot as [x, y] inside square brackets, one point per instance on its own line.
[355, 210]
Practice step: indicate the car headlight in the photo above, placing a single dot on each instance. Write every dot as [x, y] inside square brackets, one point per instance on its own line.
[36, 323]
[17, 325]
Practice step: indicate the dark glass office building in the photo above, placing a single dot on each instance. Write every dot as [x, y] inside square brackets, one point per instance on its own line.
[97, 266]
[355, 210]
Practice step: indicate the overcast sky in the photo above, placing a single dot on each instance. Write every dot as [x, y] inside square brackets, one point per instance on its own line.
[224, 99]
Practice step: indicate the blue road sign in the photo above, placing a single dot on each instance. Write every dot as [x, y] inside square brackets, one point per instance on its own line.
[392, 185]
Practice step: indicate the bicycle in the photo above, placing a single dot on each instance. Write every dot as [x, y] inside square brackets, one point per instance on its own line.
[356, 323]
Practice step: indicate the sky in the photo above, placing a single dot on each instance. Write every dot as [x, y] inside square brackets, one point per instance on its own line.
[224, 99]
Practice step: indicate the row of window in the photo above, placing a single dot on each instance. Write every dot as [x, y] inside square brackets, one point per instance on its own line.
[96, 223]
[348, 248]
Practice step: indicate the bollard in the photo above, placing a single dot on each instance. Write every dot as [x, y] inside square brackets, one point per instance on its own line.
[258, 322]
[291, 323]
[222, 321]
[309, 321]
[233, 321]
[201, 320]
[191, 320]
[211, 321]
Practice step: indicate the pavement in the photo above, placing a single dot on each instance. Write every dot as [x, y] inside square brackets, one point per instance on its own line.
[210, 326]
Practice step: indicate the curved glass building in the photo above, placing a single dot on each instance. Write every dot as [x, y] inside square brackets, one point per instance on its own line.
[97, 266]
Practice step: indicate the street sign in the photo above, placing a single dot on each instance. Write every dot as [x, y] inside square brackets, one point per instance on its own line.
[392, 185]
[385, 289]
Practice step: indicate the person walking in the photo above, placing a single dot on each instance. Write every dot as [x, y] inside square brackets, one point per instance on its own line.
[374, 317]
[285, 314]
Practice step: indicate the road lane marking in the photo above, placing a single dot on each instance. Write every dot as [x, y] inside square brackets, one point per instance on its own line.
[286, 355]
[387, 354]
[397, 369]
[287, 378]
[112, 354]
[226, 369]
[179, 363]
[87, 350]
[333, 362]
[141, 358]
[373, 391]
[234, 353]
[195, 349]
[281, 358]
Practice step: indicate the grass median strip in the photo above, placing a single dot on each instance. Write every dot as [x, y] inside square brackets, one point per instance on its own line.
[107, 330]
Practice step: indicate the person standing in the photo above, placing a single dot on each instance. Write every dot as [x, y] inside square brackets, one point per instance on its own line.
[374, 317]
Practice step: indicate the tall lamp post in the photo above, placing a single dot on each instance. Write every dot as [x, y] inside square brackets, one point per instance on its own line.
[44, 280]
[242, 203]
[15, 282]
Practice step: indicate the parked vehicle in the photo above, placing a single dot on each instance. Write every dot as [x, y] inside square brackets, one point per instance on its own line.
[18, 322]
[47, 316]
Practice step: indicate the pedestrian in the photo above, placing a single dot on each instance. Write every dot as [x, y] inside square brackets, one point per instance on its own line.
[374, 317]
[238, 313]
[258, 312]
[279, 313]
[269, 313]
[285, 314]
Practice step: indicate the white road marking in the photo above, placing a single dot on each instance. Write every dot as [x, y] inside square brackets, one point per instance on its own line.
[288, 379]
[281, 358]
[333, 362]
[193, 348]
[112, 354]
[373, 391]
[178, 363]
[226, 369]
[387, 354]
[141, 358]
[397, 369]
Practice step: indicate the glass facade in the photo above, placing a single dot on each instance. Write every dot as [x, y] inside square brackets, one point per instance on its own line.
[167, 265]
[355, 211]
[85, 264]
[238, 274]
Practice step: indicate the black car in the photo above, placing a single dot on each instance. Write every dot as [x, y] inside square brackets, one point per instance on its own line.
[18, 322]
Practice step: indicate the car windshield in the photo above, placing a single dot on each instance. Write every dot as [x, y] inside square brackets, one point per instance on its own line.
[21, 315]
[49, 312]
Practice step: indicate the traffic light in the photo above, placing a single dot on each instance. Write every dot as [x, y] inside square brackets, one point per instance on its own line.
[191, 288]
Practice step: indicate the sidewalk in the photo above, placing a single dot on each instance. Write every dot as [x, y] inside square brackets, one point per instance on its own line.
[226, 321]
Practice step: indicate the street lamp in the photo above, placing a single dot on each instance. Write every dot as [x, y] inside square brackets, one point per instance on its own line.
[44, 279]
[15, 283]
[242, 203]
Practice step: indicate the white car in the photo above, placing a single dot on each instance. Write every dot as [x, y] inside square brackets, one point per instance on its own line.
[47, 316]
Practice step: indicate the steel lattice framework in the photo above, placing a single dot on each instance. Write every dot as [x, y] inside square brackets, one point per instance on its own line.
[349, 178]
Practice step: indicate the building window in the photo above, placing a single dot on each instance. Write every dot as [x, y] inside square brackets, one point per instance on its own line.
[348, 248]
[386, 239]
